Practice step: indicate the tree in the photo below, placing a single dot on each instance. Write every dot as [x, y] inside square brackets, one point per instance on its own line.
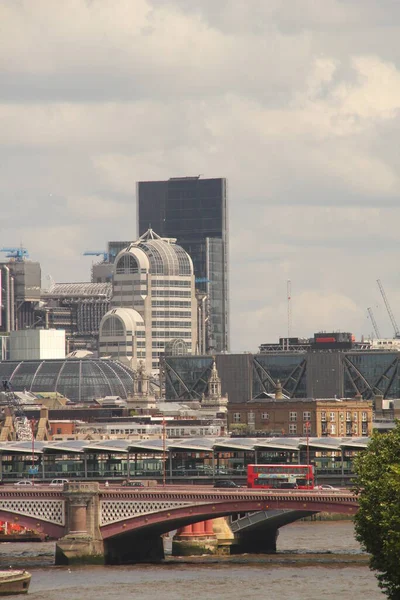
[377, 522]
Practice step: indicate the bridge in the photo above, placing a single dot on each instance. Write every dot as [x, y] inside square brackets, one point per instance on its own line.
[93, 523]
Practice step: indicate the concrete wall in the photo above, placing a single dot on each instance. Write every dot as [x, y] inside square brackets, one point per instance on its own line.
[36, 344]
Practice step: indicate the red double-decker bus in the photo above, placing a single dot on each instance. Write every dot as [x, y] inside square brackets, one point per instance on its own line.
[280, 476]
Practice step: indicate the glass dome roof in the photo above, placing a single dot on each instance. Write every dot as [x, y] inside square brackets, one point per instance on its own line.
[78, 380]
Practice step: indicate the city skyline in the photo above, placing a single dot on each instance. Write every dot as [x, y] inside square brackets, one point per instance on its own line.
[297, 107]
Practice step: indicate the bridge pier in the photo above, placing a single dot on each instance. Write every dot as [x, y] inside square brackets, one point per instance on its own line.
[83, 542]
[256, 541]
[196, 539]
[134, 548]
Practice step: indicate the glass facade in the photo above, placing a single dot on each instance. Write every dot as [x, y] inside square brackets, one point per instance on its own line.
[78, 380]
[194, 211]
[289, 369]
[302, 375]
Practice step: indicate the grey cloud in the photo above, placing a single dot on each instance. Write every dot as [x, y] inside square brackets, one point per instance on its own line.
[298, 109]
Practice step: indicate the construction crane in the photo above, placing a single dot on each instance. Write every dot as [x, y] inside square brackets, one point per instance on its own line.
[289, 307]
[102, 253]
[19, 254]
[389, 310]
[374, 324]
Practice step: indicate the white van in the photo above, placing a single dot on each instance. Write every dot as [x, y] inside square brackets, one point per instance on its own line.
[59, 482]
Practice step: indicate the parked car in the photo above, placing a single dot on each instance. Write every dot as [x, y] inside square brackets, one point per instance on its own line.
[326, 487]
[226, 483]
[24, 482]
[59, 482]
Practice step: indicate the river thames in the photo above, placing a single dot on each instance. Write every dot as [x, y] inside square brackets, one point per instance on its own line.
[316, 560]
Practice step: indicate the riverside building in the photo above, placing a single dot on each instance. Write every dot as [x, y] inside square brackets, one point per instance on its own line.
[153, 303]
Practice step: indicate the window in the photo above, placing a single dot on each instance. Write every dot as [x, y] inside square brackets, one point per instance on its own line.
[348, 416]
[306, 428]
[127, 265]
[355, 417]
[236, 417]
[292, 428]
[306, 415]
[364, 417]
[251, 418]
[293, 416]
[332, 429]
[112, 327]
[323, 416]
[265, 416]
[332, 417]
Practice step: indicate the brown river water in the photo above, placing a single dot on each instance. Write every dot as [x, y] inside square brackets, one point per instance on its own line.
[315, 561]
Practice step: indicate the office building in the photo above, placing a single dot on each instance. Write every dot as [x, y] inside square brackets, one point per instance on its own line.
[153, 303]
[326, 366]
[195, 212]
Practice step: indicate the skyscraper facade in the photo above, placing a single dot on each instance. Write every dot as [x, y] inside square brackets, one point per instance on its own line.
[195, 212]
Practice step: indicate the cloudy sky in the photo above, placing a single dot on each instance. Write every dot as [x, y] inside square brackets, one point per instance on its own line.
[295, 102]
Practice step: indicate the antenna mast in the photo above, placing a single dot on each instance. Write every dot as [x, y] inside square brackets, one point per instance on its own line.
[289, 308]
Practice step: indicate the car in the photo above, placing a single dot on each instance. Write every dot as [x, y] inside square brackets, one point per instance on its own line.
[226, 483]
[24, 482]
[133, 484]
[59, 482]
[326, 487]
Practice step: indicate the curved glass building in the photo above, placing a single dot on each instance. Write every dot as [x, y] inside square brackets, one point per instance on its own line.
[79, 380]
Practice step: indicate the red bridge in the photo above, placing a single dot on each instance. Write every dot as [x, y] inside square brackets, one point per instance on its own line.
[124, 525]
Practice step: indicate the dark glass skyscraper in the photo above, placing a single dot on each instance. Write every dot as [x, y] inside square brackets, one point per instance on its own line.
[194, 211]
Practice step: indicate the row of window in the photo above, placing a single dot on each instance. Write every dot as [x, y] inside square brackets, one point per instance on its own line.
[115, 345]
[306, 417]
[185, 314]
[332, 416]
[171, 334]
[131, 282]
[171, 293]
[166, 324]
[119, 293]
[172, 303]
[170, 283]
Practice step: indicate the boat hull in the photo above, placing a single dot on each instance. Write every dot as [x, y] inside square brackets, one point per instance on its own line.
[14, 582]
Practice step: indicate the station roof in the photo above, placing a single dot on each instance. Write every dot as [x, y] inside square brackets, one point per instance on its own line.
[204, 444]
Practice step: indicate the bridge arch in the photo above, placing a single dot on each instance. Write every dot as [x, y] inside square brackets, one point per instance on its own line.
[40, 526]
[167, 520]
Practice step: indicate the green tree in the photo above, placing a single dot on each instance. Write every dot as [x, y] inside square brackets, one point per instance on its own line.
[377, 522]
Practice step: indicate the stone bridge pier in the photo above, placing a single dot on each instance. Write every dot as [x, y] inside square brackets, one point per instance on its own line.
[83, 542]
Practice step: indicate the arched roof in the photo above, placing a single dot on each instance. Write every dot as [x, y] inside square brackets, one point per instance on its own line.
[164, 256]
[129, 317]
[78, 380]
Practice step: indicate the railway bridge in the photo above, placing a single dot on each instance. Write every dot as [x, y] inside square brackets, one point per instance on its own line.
[93, 523]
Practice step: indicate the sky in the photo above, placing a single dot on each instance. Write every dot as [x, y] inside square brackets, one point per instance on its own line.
[296, 103]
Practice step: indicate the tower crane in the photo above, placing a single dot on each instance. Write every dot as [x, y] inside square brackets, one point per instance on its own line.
[374, 324]
[102, 253]
[19, 254]
[389, 310]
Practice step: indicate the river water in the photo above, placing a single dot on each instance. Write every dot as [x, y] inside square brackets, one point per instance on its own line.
[316, 560]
